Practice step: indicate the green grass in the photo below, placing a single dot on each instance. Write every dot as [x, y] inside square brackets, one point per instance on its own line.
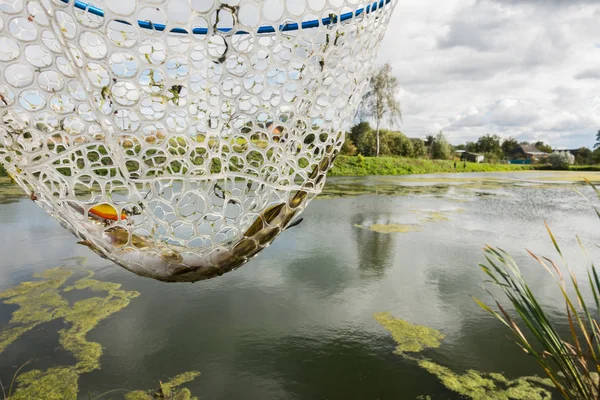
[362, 166]
[584, 168]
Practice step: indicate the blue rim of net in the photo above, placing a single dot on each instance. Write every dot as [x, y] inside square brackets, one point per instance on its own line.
[332, 19]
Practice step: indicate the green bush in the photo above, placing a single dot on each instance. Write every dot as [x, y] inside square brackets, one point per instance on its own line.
[419, 149]
[348, 148]
[398, 144]
[596, 156]
[584, 156]
[366, 143]
[440, 148]
[364, 138]
[492, 157]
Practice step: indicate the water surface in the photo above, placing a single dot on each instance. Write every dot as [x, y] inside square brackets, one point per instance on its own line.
[297, 321]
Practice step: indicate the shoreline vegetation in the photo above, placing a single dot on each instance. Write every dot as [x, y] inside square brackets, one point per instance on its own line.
[570, 358]
[366, 166]
[345, 165]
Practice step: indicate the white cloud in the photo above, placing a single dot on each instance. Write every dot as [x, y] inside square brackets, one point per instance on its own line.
[528, 69]
[504, 113]
[592, 73]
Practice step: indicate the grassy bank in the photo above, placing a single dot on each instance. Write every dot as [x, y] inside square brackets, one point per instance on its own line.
[363, 166]
[584, 168]
[360, 166]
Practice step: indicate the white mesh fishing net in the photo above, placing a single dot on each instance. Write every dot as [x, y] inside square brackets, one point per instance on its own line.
[178, 138]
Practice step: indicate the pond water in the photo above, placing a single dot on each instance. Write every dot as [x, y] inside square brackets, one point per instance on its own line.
[297, 322]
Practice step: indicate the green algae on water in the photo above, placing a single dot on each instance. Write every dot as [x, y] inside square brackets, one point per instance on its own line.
[436, 216]
[410, 338]
[390, 228]
[169, 390]
[56, 383]
[427, 217]
[355, 188]
[481, 386]
[473, 384]
[41, 301]
[93, 285]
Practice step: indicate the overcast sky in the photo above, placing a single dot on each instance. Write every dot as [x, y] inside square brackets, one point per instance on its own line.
[529, 69]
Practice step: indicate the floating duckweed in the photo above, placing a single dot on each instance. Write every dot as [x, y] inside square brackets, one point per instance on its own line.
[38, 301]
[436, 216]
[182, 378]
[428, 217]
[93, 285]
[474, 385]
[481, 386]
[390, 228]
[42, 301]
[356, 188]
[410, 338]
[138, 395]
[53, 384]
[9, 335]
[83, 316]
[168, 390]
[439, 186]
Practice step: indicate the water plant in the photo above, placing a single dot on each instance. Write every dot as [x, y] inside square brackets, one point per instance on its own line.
[412, 339]
[489, 386]
[42, 300]
[169, 390]
[390, 228]
[572, 359]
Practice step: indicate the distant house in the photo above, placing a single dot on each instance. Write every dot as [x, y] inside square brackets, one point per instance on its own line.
[527, 152]
[472, 157]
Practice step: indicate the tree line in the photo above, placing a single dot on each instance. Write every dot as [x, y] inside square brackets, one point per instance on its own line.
[362, 139]
[380, 105]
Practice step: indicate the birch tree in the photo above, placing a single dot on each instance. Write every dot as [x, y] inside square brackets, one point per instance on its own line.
[380, 103]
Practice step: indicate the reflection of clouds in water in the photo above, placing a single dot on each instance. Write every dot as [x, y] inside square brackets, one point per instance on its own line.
[332, 278]
[329, 353]
[307, 302]
[513, 223]
[32, 241]
[375, 251]
[460, 186]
